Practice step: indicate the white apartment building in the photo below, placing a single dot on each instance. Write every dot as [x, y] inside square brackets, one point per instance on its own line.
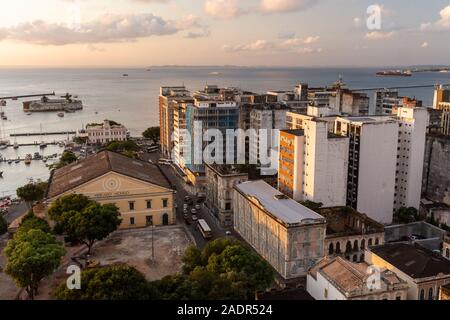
[285, 233]
[410, 156]
[268, 118]
[372, 162]
[101, 133]
[323, 163]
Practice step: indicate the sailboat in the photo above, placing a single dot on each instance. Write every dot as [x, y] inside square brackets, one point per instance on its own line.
[3, 142]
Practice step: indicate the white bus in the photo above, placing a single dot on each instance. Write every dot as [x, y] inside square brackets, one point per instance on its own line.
[204, 229]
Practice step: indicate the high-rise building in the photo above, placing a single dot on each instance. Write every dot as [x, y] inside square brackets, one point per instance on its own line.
[167, 96]
[313, 161]
[372, 160]
[442, 102]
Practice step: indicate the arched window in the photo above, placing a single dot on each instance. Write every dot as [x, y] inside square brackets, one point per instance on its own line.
[430, 294]
[377, 242]
[165, 219]
[363, 244]
[355, 258]
[370, 242]
[422, 294]
[331, 249]
[355, 246]
[338, 247]
[348, 247]
[362, 258]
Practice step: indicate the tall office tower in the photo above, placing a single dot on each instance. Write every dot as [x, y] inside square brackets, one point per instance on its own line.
[372, 161]
[313, 161]
[410, 156]
[167, 96]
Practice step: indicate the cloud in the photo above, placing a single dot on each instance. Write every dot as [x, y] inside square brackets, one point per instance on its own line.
[198, 34]
[443, 24]
[278, 6]
[258, 45]
[379, 35]
[299, 41]
[308, 50]
[223, 9]
[103, 29]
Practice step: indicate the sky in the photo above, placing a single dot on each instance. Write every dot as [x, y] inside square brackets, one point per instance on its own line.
[224, 32]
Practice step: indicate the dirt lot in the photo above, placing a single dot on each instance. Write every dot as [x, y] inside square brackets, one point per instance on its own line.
[134, 248]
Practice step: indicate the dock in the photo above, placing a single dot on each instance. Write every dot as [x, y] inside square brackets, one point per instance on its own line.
[28, 134]
[27, 96]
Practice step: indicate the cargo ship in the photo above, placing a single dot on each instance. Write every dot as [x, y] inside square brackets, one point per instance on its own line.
[394, 73]
[45, 104]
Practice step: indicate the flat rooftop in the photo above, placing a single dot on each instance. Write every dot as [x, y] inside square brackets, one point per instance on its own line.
[412, 259]
[278, 205]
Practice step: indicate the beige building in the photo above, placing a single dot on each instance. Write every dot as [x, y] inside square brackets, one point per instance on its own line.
[220, 181]
[139, 189]
[423, 270]
[286, 234]
[339, 279]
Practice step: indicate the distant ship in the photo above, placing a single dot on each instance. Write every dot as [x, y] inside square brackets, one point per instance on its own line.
[46, 104]
[395, 73]
[125, 75]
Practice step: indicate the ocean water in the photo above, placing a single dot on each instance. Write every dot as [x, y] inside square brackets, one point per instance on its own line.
[133, 100]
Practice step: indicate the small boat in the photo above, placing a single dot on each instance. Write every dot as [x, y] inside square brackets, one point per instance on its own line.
[45, 160]
[4, 118]
[61, 114]
[43, 145]
[29, 113]
[28, 159]
[16, 145]
[125, 75]
[9, 161]
[17, 160]
[3, 146]
[2, 103]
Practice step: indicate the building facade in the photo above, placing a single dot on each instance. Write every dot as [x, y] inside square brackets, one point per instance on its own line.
[102, 133]
[317, 171]
[286, 234]
[140, 190]
[423, 270]
[220, 183]
[339, 279]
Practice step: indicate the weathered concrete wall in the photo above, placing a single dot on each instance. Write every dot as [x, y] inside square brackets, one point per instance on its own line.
[436, 173]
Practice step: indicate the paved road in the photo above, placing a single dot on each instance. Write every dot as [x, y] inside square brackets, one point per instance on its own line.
[15, 211]
[182, 191]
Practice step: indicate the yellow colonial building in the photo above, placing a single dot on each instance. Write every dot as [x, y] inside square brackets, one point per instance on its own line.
[139, 189]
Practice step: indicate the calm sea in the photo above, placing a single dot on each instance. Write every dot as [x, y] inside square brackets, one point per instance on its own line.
[133, 100]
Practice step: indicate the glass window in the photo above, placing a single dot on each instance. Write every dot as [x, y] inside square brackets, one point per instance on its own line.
[131, 221]
[165, 203]
[131, 205]
[149, 204]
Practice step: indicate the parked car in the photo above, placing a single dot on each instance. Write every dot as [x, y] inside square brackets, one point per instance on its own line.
[187, 199]
[197, 207]
[193, 211]
[185, 211]
[228, 233]
[194, 217]
[185, 206]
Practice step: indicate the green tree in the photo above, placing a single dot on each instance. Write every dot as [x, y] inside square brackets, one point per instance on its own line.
[92, 223]
[152, 133]
[32, 255]
[80, 140]
[312, 205]
[407, 215]
[31, 192]
[67, 157]
[30, 222]
[3, 225]
[120, 146]
[191, 259]
[62, 205]
[109, 283]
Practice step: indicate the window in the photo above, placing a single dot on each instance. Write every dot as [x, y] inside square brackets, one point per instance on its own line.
[422, 295]
[132, 221]
[131, 205]
[149, 204]
[325, 294]
[165, 203]
[149, 220]
[227, 206]
[398, 298]
[447, 253]
[430, 294]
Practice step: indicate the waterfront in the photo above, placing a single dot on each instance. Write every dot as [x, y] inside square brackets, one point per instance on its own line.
[133, 100]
